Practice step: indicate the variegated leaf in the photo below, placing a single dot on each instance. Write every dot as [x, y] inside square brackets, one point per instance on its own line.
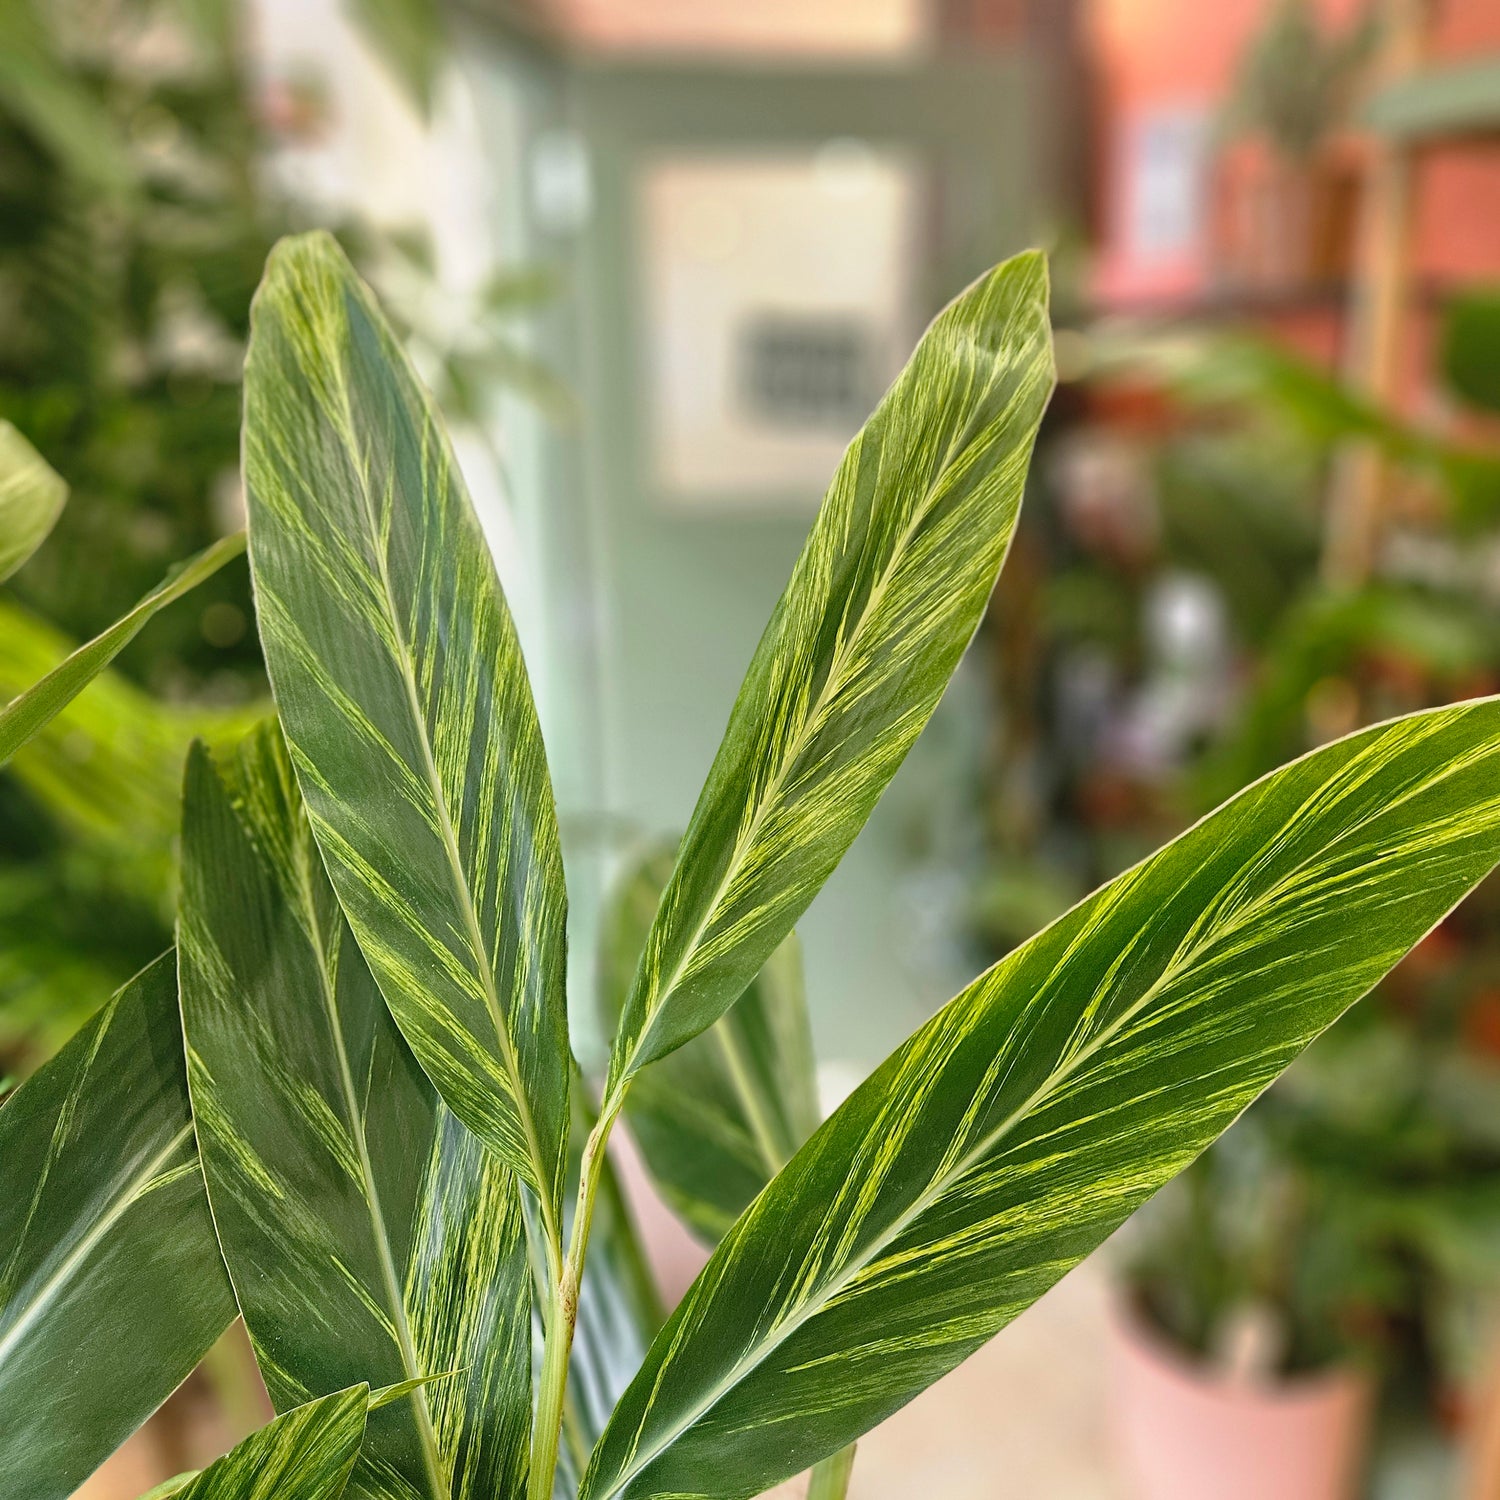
[1008, 1137]
[401, 687]
[306, 1455]
[369, 1234]
[32, 495]
[885, 597]
[32, 710]
[111, 1283]
[718, 1118]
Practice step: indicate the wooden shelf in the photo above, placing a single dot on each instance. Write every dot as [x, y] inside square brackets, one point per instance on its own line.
[1450, 102]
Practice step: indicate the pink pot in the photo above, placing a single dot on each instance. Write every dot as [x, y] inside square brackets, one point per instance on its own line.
[674, 1255]
[1183, 1434]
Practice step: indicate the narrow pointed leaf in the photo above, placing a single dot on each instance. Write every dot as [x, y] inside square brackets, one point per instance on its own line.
[885, 597]
[718, 1118]
[1013, 1133]
[31, 499]
[34, 709]
[111, 1284]
[388, 1395]
[368, 1234]
[173, 1486]
[400, 683]
[306, 1455]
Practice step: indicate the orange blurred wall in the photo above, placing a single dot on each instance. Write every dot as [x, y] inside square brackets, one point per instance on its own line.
[1154, 57]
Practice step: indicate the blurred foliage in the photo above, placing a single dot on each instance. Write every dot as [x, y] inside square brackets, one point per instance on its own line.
[1471, 339]
[133, 225]
[1296, 81]
[410, 36]
[132, 230]
[89, 812]
[136, 211]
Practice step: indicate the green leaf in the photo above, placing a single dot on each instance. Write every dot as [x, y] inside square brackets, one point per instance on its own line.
[111, 1284]
[401, 687]
[108, 767]
[885, 597]
[173, 1486]
[31, 499]
[1011, 1135]
[1471, 346]
[32, 710]
[306, 1455]
[718, 1118]
[368, 1234]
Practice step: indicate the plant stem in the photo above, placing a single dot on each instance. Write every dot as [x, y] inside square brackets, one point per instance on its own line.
[563, 1318]
[830, 1478]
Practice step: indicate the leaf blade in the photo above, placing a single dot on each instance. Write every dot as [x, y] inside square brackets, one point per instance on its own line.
[719, 1117]
[307, 1454]
[397, 672]
[882, 603]
[111, 1283]
[32, 496]
[31, 711]
[1021, 1125]
[368, 1234]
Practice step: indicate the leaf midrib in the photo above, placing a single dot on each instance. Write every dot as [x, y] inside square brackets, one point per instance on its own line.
[427, 1436]
[1180, 963]
[407, 673]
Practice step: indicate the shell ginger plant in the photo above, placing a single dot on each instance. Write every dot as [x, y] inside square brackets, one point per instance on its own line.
[345, 1107]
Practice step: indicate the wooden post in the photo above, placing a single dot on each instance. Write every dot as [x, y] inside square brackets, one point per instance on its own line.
[1377, 317]
[1482, 1448]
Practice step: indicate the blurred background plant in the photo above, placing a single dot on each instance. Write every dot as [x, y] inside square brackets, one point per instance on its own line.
[133, 226]
[136, 212]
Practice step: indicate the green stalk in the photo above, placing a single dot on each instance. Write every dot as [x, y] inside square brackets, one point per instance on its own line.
[563, 1318]
[830, 1478]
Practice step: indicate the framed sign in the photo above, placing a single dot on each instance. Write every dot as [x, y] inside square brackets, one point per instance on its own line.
[778, 308]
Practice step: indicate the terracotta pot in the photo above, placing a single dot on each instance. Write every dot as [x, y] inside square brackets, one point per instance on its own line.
[1183, 1433]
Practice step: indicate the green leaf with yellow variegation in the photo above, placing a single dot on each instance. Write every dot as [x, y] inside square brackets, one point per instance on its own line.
[719, 1117]
[31, 711]
[370, 1236]
[111, 1283]
[1017, 1129]
[308, 1454]
[885, 597]
[400, 684]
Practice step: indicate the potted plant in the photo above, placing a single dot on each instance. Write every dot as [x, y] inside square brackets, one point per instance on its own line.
[1287, 191]
[344, 1106]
